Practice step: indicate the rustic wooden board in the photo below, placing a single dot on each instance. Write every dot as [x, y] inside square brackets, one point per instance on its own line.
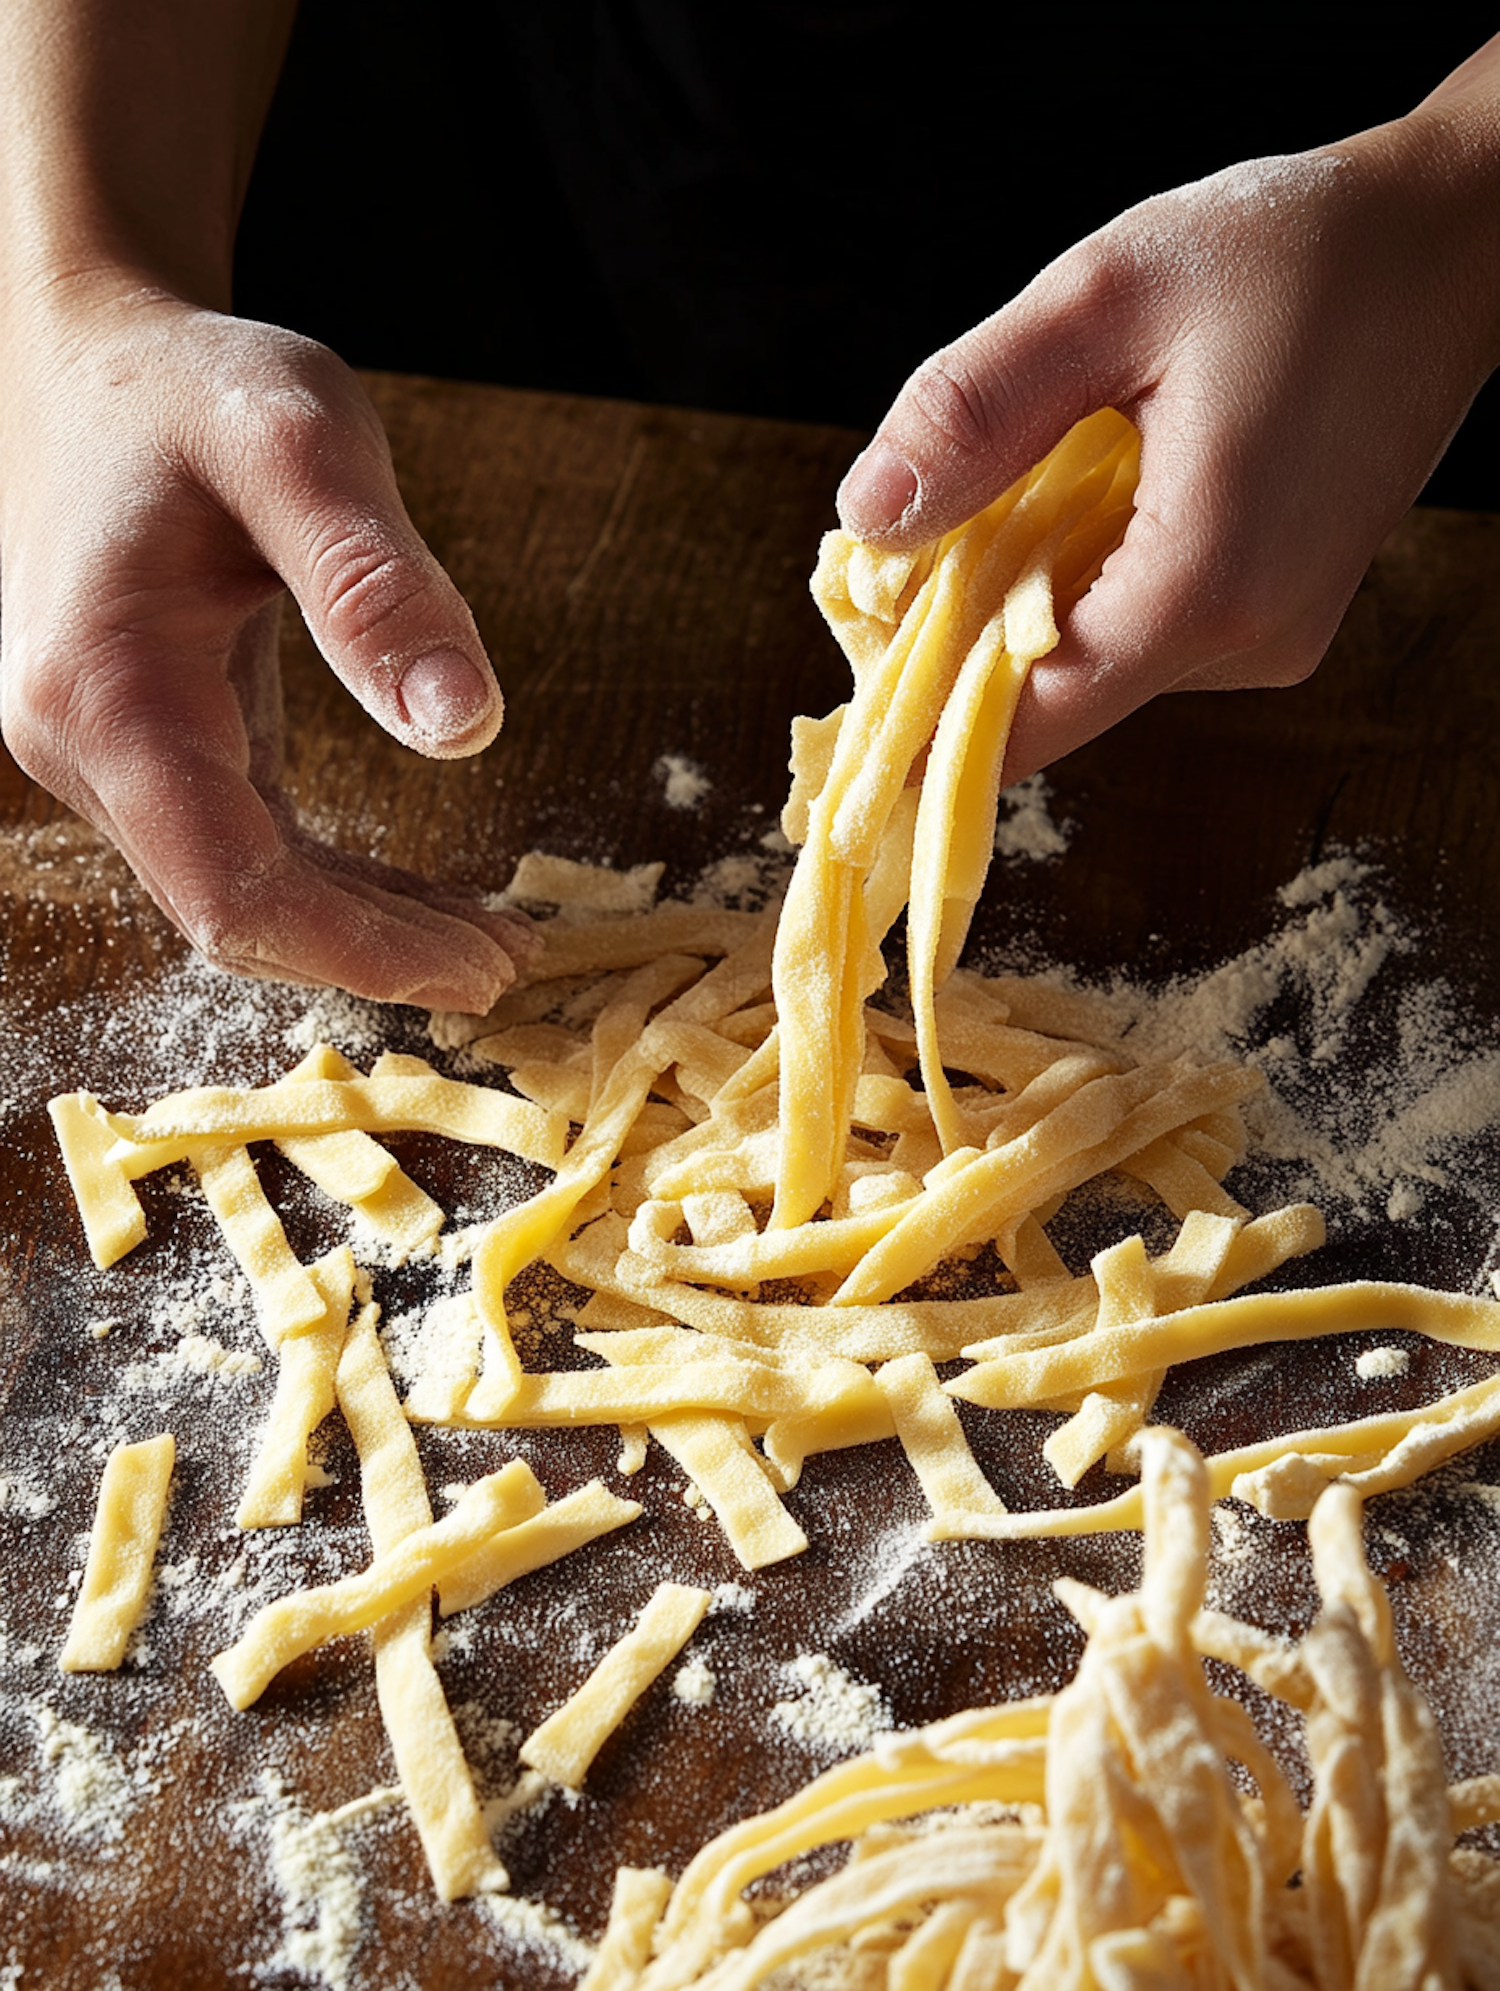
[641, 577]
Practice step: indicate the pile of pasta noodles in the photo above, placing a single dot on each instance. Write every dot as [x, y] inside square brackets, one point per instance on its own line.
[1097, 1838]
[768, 1175]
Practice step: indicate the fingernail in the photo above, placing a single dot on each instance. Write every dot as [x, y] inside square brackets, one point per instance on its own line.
[443, 695]
[877, 491]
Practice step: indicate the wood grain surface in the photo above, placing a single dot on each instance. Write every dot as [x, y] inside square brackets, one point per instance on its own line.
[640, 575]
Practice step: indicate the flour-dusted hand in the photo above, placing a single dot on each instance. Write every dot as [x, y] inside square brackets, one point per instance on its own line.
[1297, 340]
[166, 472]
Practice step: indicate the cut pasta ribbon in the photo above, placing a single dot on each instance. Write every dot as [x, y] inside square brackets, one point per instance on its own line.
[122, 1551]
[1132, 1857]
[568, 1741]
[766, 1167]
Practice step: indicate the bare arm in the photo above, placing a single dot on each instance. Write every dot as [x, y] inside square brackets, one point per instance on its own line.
[1297, 340]
[165, 471]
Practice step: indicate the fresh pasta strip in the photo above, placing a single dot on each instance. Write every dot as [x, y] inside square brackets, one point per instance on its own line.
[348, 1166]
[1282, 1476]
[932, 1437]
[640, 1394]
[718, 1457]
[1043, 1375]
[305, 1393]
[294, 1625]
[116, 1582]
[1098, 1126]
[568, 1741]
[955, 825]
[472, 1113]
[513, 1240]
[1000, 1759]
[113, 1220]
[356, 1170]
[289, 1302]
[1181, 1180]
[970, 1868]
[597, 1258]
[560, 1529]
[435, 1778]
[863, 1418]
[940, 657]
[625, 1947]
[629, 1057]
[402, 1215]
[1130, 1289]
[718, 1454]
[1142, 1864]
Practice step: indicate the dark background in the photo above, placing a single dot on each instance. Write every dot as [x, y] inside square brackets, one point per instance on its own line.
[765, 208]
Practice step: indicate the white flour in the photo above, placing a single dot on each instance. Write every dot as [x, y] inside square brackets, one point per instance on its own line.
[1304, 1005]
[322, 1890]
[1026, 827]
[684, 782]
[834, 1712]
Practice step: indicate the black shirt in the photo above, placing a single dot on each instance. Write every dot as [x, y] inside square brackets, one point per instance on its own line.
[760, 206]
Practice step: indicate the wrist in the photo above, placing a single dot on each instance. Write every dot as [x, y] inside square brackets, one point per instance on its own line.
[1437, 173]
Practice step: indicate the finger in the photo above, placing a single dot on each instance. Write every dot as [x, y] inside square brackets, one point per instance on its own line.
[1183, 604]
[979, 413]
[314, 488]
[512, 930]
[160, 757]
[255, 678]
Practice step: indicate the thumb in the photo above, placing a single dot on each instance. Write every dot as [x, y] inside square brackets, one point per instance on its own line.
[318, 498]
[981, 412]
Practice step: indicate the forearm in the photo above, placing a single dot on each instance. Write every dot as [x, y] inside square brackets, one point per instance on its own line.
[127, 133]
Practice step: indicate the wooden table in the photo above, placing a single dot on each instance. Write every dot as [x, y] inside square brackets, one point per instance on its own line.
[640, 575]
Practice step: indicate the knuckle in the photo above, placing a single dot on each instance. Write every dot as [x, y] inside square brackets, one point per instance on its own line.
[947, 396]
[299, 406]
[51, 724]
[365, 589]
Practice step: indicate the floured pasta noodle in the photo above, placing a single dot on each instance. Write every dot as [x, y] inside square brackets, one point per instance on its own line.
[122, 1549]
[569, 1740]
[1131, 1857]
[768, 1181]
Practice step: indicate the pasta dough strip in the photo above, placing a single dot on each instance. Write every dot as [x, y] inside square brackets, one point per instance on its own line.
[558, 1530]
[294, 1625]
[568, 1741]
[625, 1947]
[716, 1454]
[305, 1393]
[1369, 1451]
[933, 1439]
[1044, 1374]
[522, 1235]
[473, 1113]
[429, 1757]
[289, 1301]
[113, 1220]
[122, 1549]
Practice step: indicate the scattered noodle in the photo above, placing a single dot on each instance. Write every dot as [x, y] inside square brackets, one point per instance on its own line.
[722, 1106]
[568, 1741]
[1143, 1862]
[122, 1549]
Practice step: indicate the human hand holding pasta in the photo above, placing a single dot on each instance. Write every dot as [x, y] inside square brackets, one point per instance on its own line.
[1296, 340]
[166, 471]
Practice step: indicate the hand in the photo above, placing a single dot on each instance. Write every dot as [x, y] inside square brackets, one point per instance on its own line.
[1296, 339]
[164, 469]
